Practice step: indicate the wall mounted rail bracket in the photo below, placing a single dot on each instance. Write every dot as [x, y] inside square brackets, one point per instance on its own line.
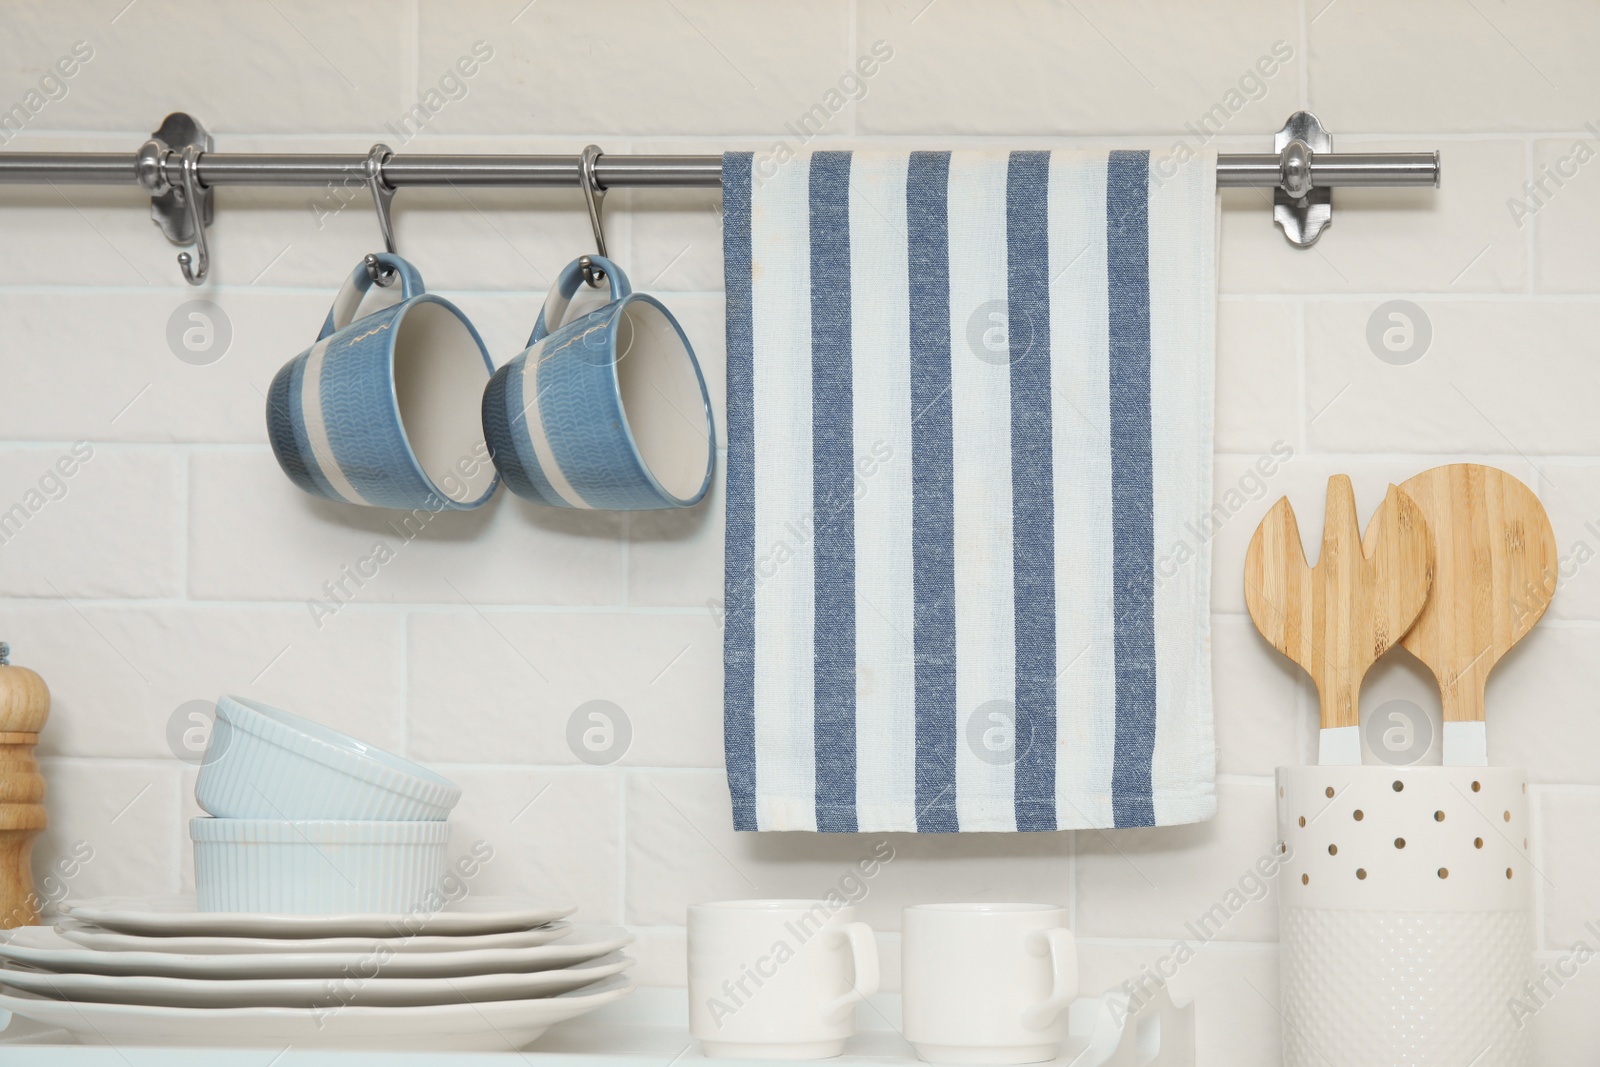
[1303, 210]
[165, 148]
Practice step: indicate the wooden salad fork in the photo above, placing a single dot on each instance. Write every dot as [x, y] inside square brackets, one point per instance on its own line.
[1337, 618]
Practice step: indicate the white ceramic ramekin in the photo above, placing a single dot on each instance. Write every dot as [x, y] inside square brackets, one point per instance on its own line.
[263, 763]
[316, 867]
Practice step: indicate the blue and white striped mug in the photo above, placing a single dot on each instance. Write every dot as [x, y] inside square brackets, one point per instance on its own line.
[382, 411]
[608, 411]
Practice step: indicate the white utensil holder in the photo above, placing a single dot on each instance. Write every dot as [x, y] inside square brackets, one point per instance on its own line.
[1406, 921]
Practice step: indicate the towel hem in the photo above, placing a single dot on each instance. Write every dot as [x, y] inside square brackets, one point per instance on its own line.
[796, 816]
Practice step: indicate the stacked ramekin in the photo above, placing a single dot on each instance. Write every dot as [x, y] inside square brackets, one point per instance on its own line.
[307, 820]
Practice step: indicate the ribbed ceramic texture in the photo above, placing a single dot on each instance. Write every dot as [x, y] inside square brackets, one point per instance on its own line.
[582, 416]
[316, 867]
[259, 768]
[357, 409]
[1405, 921]
[576, 412]
[349, 443]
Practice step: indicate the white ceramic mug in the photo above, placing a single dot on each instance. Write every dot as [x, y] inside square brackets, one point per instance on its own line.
[777, 979]
[987, 983]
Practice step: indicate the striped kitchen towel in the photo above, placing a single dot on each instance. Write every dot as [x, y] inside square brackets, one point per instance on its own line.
[969, 480]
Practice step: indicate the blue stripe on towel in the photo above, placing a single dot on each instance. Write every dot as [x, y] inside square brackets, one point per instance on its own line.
[932, 490]
[833, 494]
[1132, 498]
[1032, 487]
[739, 615]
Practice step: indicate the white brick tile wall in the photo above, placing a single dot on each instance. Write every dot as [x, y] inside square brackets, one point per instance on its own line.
[189, 809]
[691, 67]
[532, 671]
[1563, 212]
[677, 233]
[119, 672]
[554, 835]
[85, 520]
[1147, 884]
[1566, 1027]
[675, 557]
[180, 563]
[662, 953]
[1258, 376]
[1571, 494]
[206, 384]
[1261, 721]
[1480, 386]
[1541, 704]
[310, 67]
[1127, 73]
[1397, 68]
[81, 235]
[1395, 681]
[117, 818]
[242, 507]
[682, 849]
[1568, 870]
[1239, 1022]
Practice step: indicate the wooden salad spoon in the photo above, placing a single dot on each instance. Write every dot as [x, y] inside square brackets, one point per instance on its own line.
[1495, 555]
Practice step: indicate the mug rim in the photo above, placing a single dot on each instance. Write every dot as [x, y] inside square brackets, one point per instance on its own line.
[615, 309]
[767, 904]
[982, 908]
[402, 309]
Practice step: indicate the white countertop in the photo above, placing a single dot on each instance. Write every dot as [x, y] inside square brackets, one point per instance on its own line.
[647, 1028]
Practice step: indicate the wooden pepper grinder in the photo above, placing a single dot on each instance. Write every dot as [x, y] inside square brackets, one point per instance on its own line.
[24, 706]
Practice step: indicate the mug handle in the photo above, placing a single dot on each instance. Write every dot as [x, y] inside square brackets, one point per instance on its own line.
[355, 287]
[555, 305]
[1063, 950]
[864, 954]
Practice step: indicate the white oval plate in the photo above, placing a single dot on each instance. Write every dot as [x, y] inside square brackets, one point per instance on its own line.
[43, 948]
[176, 916]
[111, 941]
[329, 993]
[496, 1026]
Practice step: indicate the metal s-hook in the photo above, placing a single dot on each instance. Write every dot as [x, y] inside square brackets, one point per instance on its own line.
[189, 168]
[594, 195]
[382, 197]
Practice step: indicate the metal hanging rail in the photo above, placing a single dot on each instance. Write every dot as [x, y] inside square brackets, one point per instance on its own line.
[1237, 171]
[178, 158]
[532, 171]
[398, 171]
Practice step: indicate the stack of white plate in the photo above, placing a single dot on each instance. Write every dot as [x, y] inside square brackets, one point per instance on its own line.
[483, 974]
